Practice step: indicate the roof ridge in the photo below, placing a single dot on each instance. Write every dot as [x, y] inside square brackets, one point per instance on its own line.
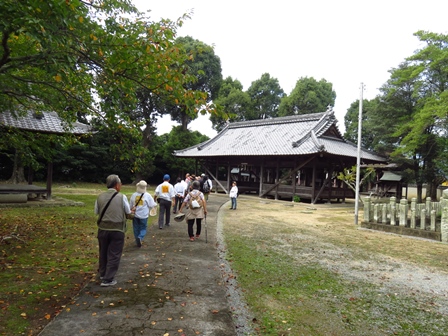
[277, 120]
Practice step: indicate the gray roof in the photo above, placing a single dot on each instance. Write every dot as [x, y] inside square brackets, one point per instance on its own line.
[294, 135]
[44, 122]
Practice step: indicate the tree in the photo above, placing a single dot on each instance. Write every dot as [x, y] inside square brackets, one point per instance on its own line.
[351, 121]
[265, 94]
[205, 68]
[234, 102]
[348, 176]
[423, 129]
[175, 140]
[81, 59]
[308, 96]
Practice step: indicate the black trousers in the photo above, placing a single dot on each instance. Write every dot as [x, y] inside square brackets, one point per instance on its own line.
[164, 212]
[111, 247]
[190, 223]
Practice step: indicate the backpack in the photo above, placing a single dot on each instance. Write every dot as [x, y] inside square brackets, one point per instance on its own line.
[194, 198]
[206, 187]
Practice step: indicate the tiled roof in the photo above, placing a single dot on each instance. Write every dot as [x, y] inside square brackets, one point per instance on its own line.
[294, 135]
[45, 122]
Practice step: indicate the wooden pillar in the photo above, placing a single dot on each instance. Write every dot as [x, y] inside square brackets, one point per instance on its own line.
[294, 181]
[229, 183]
[30, 175]
[216, 174]
[261, 177]
[313, 182]
[49, 179]
[277, 177]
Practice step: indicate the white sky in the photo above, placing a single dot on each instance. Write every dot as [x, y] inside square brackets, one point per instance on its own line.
[346, 42]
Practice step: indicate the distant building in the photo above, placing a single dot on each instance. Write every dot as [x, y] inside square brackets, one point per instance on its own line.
[282, 157]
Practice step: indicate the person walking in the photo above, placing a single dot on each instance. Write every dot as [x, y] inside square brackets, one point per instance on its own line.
[165, 195]
[206, 186]
[233, 195]
[197, 209]
[179, 188]
[112, 208]
[142, 203]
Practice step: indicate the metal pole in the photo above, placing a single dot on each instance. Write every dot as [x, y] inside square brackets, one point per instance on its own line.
[358, 157]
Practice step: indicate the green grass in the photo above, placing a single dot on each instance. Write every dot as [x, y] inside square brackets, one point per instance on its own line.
[290, 298]
[54, 256]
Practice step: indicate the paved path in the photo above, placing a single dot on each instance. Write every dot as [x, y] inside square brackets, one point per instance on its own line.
[169, 286]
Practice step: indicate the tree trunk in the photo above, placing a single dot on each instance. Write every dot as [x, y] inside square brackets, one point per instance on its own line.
[18, 175]
[184, 119]
[419, 192]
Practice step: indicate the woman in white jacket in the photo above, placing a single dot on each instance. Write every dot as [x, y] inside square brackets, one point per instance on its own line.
[233, 195]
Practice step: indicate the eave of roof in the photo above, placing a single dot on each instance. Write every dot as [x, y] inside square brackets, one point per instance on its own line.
[293, 135]
[44, 122]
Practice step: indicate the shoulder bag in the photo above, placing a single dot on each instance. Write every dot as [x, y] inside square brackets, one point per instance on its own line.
[105, 208]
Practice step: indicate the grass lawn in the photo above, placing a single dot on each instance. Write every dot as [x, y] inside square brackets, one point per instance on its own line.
[307, 271]
[49, 258]
[302, 271]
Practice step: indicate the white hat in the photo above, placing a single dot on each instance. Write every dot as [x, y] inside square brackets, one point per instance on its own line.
[141, 186]
[202, 174]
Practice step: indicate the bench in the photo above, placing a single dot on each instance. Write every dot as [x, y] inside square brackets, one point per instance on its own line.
[20, 193]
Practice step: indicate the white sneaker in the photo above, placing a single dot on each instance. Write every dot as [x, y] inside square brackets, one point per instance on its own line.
[108, 283]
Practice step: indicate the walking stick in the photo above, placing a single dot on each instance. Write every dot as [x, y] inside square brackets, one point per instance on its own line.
[205, 222]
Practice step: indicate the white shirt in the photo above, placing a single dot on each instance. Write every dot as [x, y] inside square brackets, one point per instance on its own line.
[180, 188]
[145, 204]
[165, 191]
[233, 192]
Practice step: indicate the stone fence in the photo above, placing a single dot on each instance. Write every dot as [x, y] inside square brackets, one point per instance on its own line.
[427, 220]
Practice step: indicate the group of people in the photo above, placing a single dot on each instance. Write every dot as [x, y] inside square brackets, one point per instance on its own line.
[114, 208]
[183, 187]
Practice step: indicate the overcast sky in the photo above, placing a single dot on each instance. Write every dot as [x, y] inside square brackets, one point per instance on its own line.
[346, 42]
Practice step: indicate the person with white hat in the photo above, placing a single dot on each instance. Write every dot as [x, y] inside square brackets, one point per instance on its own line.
[165, 196]
[142, 203]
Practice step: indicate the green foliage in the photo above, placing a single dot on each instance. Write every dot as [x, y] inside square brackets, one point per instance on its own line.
[234, 102]
[86, 61]
[165, 162]
[204, 69]
[308, 96]
[296, 199]
[348, 176]
[265, 94]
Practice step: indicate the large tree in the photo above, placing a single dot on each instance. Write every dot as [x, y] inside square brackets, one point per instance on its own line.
[233, 101]
[308, 96]
[205, 69]
[409, 121]
[424, 131]
[90, 59]
[265, 94]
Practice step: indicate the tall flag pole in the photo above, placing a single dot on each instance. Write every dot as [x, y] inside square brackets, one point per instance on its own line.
[358, 157]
